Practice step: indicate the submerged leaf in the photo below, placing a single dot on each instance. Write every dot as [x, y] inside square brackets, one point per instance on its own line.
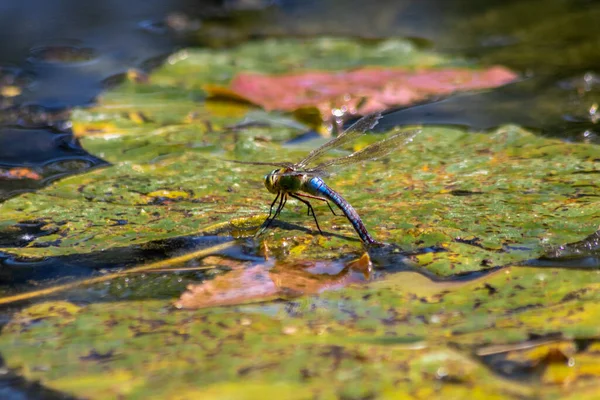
[261, 283]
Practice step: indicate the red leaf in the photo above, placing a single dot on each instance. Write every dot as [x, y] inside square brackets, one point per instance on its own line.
[361, 91]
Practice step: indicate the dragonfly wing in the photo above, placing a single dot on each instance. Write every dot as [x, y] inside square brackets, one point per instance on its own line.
[309, 172]
[274, 164]
[373, 151]
[358, 128]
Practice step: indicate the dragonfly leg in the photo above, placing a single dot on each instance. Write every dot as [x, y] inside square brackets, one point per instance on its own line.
[318, 198]
[267, 221]
[272, 204]
[282, 201]
[310, 208]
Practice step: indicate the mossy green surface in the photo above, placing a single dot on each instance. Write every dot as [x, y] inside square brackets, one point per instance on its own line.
[403, 335]
[488, 199]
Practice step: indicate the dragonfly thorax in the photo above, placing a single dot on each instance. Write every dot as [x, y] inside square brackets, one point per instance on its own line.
[280, 180]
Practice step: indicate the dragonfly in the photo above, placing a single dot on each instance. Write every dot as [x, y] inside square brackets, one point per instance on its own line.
[304, 180]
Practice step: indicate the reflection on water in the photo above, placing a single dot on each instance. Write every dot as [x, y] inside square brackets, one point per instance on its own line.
[47, 154]
[216, 270]
[61, 55]
[584, 254]
[560, 108]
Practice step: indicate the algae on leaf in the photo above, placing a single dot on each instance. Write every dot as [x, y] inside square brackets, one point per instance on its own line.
[458, 201]
[488, 199]
[404, 334]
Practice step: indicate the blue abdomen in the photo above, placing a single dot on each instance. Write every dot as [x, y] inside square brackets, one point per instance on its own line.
[317, 187]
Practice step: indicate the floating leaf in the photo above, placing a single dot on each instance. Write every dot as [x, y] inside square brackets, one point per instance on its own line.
[361, 91]
[403, 334]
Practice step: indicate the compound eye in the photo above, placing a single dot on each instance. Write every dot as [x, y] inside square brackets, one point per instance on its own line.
[270, 179]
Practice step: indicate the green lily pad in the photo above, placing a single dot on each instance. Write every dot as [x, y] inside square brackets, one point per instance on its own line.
[404, 334]
[488, 199]
[480, 200]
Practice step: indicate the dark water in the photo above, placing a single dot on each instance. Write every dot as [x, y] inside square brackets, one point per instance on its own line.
[63, 54]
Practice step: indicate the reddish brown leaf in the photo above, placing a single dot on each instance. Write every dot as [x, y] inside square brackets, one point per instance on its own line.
[361, 91]
[261, 283]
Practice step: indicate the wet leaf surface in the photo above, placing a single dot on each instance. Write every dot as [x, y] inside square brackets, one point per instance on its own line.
[360, 91]
[406, 333]
[450, 311]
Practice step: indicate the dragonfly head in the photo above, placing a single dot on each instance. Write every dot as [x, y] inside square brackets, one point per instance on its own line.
[272, 180]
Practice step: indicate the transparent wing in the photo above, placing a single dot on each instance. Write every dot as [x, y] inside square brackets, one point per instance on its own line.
[371, 152]
[274, 164]
[358, 128]
[309, 172]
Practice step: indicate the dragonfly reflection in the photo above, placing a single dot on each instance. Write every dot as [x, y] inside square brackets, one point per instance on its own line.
[301, 181]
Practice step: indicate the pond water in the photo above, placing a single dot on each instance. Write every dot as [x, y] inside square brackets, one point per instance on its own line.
[67, 54]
